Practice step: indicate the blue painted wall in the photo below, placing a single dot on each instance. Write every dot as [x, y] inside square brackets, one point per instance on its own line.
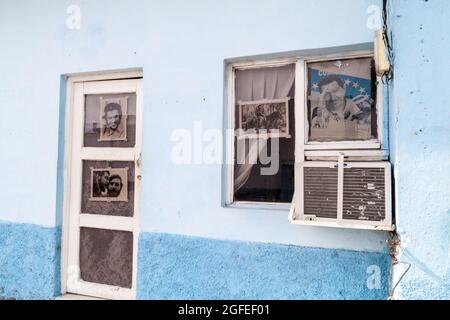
[181, 46]
[180, 267]
[29, 261]
[420, 137]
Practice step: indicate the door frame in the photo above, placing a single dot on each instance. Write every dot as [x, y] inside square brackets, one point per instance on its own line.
[73, 80]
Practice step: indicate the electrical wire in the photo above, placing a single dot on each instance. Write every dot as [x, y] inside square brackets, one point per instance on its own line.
[391, 297]
[388, 75]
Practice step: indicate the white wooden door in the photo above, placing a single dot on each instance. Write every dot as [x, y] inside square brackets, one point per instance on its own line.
[104, 188]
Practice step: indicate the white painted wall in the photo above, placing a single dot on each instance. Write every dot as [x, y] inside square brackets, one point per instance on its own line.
[181, 45]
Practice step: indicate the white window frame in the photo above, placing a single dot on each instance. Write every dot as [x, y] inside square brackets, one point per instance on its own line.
[96, 83]
[374, 150]
[230, 152]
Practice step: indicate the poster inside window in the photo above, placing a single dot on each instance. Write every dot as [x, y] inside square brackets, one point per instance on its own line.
[342, 100]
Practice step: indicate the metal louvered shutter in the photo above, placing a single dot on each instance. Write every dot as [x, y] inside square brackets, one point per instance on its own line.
[355, 195]
[364, 194]
[321, 192]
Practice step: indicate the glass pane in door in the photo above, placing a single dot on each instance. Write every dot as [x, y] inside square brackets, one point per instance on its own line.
[110, 120]
[106, 257]
[108, 188]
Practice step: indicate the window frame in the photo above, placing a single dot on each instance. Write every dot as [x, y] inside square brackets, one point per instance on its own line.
[375, 149]
[229, 136]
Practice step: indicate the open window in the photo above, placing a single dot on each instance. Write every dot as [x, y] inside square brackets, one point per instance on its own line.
[321, 118]
[342, 178]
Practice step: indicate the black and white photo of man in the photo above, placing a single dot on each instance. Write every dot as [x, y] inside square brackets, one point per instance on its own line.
[113, 119]
[109, 184]
[333, 104]
[114, 186]
[100, 183]
[114, 127]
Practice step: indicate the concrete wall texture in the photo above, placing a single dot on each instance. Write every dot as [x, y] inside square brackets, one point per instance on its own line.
[420, 146]
[29, 261]
[191, 247]
[180, 267]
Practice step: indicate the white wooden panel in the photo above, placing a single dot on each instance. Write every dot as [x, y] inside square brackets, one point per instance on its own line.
[300, 107]
[367, 225]
[105, 75]
[107, 222]
[77, 112]
[363, 155]
[67, 186]
[343, 145]
[108, 154]
[340, 188]
[101, 291]
[110, 87]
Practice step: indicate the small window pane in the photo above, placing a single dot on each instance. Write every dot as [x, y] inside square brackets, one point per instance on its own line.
[106, 257]
[341, 100]
[110, 120]
[265, 134]
[108, 188]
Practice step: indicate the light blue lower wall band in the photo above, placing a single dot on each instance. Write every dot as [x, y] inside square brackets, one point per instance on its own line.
[180, 267]
[29, 261]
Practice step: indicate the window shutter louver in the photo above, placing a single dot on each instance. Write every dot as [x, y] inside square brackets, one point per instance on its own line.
[344, 194]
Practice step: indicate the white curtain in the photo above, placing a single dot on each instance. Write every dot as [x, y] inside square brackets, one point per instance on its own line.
[254, 85]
